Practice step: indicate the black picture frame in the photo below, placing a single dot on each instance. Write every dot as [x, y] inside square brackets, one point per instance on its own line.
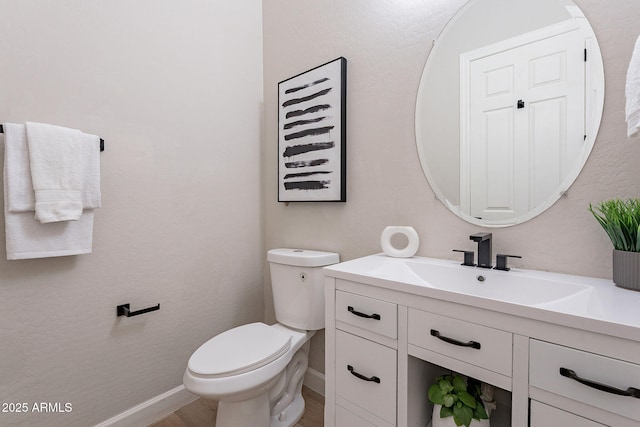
[312, 135]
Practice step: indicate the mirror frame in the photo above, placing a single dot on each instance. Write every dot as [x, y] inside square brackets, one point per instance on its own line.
[594, 104]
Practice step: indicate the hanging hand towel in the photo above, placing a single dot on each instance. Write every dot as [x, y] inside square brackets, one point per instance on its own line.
[21, 197]
[26, 237]
[17, 182]
[632, 91]
[55, 156]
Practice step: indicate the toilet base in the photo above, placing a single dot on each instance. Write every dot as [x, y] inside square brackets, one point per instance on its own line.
[253, 412]
[256, 412]
[287, 404]
[290, 415]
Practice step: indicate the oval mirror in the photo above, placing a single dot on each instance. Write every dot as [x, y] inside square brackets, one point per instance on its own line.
[508, 108]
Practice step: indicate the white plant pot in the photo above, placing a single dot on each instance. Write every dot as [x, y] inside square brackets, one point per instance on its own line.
[436, 421]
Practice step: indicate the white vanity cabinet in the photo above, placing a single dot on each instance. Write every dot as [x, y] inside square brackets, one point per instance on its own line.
[388, 338]
[383, 349]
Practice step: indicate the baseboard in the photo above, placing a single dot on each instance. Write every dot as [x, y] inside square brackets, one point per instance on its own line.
[314, 380]
[152, 410]
[162, 405]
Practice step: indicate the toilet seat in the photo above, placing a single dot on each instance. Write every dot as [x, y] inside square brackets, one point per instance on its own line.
[239, 350]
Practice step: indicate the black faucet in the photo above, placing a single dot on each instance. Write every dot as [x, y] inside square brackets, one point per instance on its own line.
[484, 249]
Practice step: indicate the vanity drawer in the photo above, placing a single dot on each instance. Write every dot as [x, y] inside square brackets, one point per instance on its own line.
[545, 416]
[366, 375]
[471, 343]
[345, 418]
[367, 313]
[546, 361]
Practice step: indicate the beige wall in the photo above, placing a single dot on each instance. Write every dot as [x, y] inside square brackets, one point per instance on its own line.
[386, 44]
[175, 89]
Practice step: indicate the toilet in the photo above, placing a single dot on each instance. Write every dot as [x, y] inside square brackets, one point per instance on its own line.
[255, 371]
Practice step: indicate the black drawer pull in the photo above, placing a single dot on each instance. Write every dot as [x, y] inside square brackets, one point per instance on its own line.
[362, 377]
[631, 392]
[366, 316]
[472, 344]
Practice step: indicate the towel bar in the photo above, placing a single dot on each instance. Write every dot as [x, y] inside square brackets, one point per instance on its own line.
[101, 140]
[124, 310]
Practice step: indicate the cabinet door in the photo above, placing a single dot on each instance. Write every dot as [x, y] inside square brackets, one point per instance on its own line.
[546, 416]
[366, 375]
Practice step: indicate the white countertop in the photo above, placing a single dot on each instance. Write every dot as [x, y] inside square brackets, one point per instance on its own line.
[602, 307]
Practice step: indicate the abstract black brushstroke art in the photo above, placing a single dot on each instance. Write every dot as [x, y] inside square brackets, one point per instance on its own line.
[312, 135]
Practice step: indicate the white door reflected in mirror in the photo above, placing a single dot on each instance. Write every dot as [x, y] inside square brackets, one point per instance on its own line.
[530, 102]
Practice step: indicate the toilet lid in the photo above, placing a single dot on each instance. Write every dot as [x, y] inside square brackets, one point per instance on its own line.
[240, 350]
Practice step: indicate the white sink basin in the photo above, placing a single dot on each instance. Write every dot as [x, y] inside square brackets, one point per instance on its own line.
[510, 286]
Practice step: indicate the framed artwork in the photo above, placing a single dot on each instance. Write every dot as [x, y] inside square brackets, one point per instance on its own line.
[312, 135]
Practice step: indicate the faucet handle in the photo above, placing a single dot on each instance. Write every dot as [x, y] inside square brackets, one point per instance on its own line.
[501, 261]
[468, 257]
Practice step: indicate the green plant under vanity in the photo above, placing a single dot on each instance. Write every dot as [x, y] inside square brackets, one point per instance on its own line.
[621, 221]
[458, 399]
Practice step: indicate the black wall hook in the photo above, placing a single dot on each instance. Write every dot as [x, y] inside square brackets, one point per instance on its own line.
[124, 310]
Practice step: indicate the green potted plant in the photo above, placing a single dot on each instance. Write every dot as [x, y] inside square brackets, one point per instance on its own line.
[620, 219]
[457, 402]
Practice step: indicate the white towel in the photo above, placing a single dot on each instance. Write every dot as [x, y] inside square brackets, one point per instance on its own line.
[632, 91]
[26, 237]
[55, 155]
[17, 180]
[21, 197]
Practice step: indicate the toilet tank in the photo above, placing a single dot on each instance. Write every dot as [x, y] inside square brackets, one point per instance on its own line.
[297, 283]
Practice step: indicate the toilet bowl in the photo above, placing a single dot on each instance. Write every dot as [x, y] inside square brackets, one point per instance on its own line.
[242, 369]
[255, 371]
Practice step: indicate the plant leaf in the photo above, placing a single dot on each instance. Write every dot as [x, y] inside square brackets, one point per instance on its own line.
[479, 413]
[445, 386]
[448, 400]
[467, 399]
[462, 415]
[459, 384]
[621, 221]
[446, 412]
[435, 394]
